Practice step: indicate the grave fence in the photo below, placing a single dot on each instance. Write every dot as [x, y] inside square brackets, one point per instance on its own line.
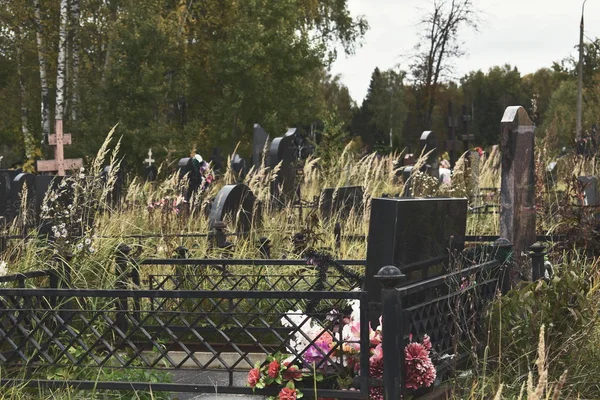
[216, 326]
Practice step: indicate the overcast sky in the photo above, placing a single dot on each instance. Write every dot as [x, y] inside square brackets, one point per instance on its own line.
[529, 34]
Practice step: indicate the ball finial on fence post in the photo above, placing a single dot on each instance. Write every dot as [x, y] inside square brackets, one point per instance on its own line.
[537, 253]
[390, 276]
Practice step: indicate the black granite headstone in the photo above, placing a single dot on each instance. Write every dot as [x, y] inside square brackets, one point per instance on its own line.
[259, 141]
[239, 166]
[404, 231]
[116, 192]
[281, 153]
[235, 202]
[186, 168]
[429, 143]
[21, 181]
[217, 160]
[341, 201]
[150, 173]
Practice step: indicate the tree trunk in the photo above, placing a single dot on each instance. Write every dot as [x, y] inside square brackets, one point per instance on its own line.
[61, 64]
[45, 106]
[75, 13]
[27, 137]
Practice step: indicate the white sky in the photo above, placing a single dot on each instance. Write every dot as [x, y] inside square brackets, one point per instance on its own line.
[528, 34]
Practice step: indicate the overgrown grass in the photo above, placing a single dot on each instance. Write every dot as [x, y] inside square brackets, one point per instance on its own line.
[567, 306]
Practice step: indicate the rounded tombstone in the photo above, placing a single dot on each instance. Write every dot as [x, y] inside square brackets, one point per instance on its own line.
[184, 166]
[236, 203]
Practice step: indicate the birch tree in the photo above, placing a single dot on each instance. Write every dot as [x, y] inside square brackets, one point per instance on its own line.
[23, 97]
[75, 14]
[62, 61]
[41, 48]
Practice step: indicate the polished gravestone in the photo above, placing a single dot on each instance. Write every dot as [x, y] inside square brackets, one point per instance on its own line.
[404, 231]
[233, 204]
[259, 143]
[341, 201]
[282, 153]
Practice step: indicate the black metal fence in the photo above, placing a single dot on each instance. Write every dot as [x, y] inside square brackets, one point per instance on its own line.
[449, 308]
[83, 338]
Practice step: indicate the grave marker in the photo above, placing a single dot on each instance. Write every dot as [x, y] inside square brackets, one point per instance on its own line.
[151, 172]
[59, 165]
[239, 166]
[453, 146]
[517, 190]
[259, 140]
[282, 151]
[217, 160]
[235, 202]
[16, 190]
[429, 143]
[341, 201]
[405, 231]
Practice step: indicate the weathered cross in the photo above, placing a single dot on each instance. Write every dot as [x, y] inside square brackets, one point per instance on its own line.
[149, 160]
[59, 164]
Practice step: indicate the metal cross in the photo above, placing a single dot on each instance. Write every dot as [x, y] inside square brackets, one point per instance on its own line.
[149, 160]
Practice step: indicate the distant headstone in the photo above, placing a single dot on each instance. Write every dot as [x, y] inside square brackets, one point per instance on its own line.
[28, 204]
[217, 160]
[239, 166]
[517, 190]
[590, 190]
[259, 141]
[405, 231]
[341, 201]
[116, 192]
[186, 169]
[430, 144]
[150, 171]
[281, 153]
[6, 178]
[409, 160]
[235, 202]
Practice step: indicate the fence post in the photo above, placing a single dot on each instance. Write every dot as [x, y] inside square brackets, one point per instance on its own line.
[122, 259]
[337, 233]
[503, 250]
[537, 260]
[393, 355]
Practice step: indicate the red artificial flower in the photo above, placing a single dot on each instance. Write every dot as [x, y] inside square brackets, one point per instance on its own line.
[253, 377]
[292, 373]
[273, 369]
[287, 394]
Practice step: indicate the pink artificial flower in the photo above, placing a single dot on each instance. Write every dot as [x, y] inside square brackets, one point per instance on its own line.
[253, 377]
[273, 369]
[419, 369]
[287, 394]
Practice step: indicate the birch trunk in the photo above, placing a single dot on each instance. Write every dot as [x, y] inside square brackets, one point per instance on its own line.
[61, 64]
[41, 48]
[27, 138]
[76, 15]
